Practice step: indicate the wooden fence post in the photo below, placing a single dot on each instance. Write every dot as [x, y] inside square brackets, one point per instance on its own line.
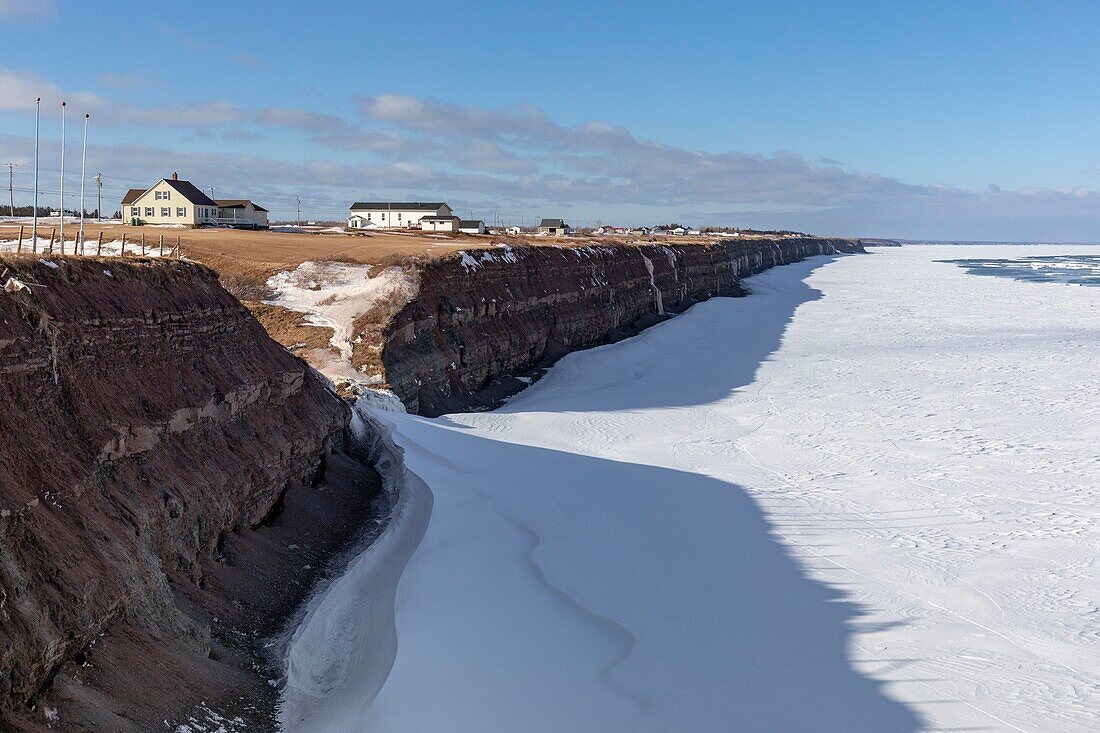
[19, 248]
[143, 244]
[123, 245]
[177, 246]
[99, 245]
[161, 246]
[53, 235]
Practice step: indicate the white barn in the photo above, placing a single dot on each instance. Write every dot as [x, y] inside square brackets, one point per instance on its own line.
[394, 214]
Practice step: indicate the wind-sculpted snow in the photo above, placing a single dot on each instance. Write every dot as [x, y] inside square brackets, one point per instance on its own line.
[861, 499]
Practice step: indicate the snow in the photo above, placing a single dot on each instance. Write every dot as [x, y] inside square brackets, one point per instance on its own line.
[335, 295]
[110, 248]
[861, 499]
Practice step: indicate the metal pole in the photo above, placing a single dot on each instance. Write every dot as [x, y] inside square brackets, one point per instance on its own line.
[297, 199]
[99, 195]
[34, 212]
[83, 168]
[62, 178]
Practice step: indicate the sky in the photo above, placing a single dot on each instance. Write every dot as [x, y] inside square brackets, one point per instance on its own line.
[932, 120]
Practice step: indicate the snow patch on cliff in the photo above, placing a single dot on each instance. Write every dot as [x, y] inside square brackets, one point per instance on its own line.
[337, 295]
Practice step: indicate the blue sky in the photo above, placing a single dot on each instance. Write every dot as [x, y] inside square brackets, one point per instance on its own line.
[942, 120]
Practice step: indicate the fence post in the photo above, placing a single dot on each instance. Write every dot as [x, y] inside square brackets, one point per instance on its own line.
[177, 246]
[19, 248]
[123, 245]
[143, 244]
[161, 246]
[99, 245]
[53, 235]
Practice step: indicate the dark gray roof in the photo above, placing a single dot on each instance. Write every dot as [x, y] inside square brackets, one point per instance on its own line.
[396, 205]
[190, 192]
[238, 204]
[132, 195]
[552, 223]
[440, 218]
[470, 223]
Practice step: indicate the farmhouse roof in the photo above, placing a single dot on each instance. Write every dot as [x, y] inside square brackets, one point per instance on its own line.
[552, 223]
[190, 192]
[470, 223]
[441, 218]
[238, 204]
[396, 206]
[132, 195]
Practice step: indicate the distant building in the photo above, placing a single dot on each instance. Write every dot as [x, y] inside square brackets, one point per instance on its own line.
[554, 227]
[241, 213]
[514, 230]
[394, 214]
[471, 226]
[439, 224]
[169, 201]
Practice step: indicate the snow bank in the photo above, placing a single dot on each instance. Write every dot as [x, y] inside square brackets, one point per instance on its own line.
[872, 510]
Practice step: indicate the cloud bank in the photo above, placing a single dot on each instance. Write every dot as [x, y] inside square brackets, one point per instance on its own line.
[518, 159]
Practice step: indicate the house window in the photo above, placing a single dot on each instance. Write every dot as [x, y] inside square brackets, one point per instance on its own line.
[135, 211]
[399, 216]
[156, 195]
[181, 212]
[368, 217]
[148, 210]
[165, 211]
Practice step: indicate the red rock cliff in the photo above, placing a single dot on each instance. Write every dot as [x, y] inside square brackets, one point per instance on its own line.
[145, 420]
[485, 316]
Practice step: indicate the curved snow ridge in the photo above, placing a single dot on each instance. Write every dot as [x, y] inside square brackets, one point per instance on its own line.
[337, 662]
[626, 638]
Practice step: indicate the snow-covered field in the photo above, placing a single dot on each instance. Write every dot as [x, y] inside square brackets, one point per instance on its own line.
[862, 499]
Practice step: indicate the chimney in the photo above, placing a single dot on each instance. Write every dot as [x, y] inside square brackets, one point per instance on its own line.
[175, 176]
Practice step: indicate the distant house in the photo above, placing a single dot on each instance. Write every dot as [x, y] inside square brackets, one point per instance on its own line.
[641, 231]
[169, 201]
[241, 213]
[554, 227]
[394, 214]
[678, 231]
[439, 224]
[514, 230]
[471, 226]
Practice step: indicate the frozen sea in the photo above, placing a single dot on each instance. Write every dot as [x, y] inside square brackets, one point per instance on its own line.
[864, 498]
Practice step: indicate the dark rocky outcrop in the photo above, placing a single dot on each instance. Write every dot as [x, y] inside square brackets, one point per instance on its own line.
[484, 317]
[170, 482]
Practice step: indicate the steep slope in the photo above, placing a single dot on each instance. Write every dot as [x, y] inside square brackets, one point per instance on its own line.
[481, 319]
[156, 455]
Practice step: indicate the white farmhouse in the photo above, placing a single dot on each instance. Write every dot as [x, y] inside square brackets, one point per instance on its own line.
[394, 214]
[169, 201]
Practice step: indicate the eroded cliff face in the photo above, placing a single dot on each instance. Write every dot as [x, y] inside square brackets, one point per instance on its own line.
[149, 432]
[482, 318]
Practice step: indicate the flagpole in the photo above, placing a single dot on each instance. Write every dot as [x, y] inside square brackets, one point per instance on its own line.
[62, 178]
[83, 168]
[34, 214]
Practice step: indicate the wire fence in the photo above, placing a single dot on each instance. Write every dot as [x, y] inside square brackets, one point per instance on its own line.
[80, 245]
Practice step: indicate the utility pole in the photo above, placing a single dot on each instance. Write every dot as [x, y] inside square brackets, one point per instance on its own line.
[11, 195]
[99, 195]
[62, 180]
[298, 201]
[211, 190]
[34, 212]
